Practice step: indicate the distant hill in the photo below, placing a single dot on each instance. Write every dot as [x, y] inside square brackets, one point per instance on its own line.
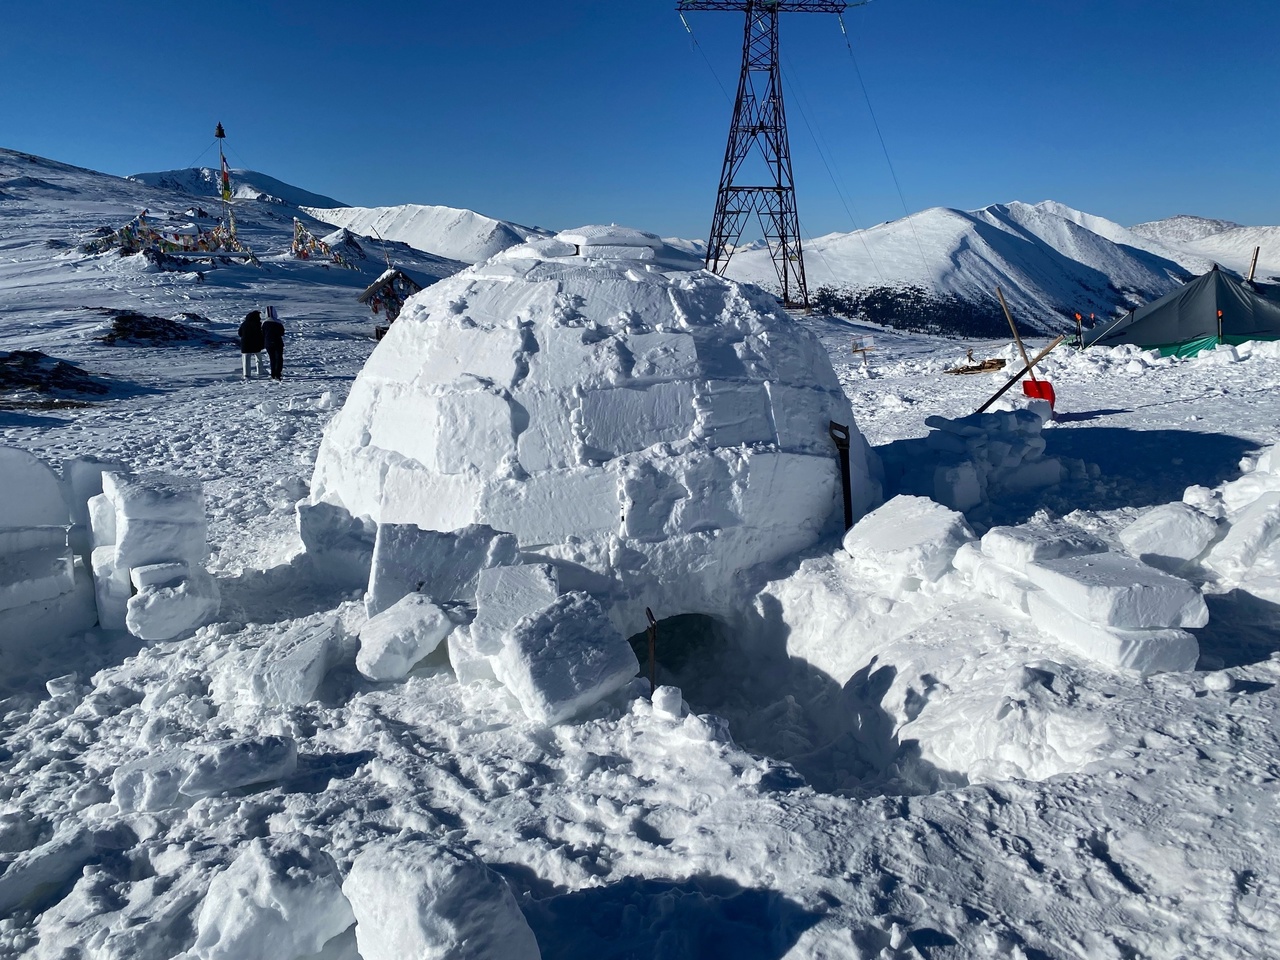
[1230, 247]
[444, 231]
[1181, 229]
[245, 185]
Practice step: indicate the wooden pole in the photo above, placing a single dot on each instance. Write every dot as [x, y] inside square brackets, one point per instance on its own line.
[1021, 373]
[1254, 265]
[1012, 326]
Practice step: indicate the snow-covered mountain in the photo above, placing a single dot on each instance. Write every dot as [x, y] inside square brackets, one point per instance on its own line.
[943, 265]
[445, 231]
[245, 185]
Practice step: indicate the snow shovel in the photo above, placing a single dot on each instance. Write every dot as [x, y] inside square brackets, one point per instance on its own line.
[1033, 388]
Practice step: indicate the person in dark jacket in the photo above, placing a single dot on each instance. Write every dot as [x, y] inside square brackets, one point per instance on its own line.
[273, 336]
[251, 343]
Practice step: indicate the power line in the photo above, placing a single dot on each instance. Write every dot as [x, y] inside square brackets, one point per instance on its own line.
[876, 123]
[791, 82]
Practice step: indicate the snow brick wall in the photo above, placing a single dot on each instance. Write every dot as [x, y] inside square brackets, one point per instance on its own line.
[150, 544]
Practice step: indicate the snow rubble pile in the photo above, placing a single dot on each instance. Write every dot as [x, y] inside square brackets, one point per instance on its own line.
[966, 462]
[45, 591]
[1245, 552]
[551, 442]
[150, 545]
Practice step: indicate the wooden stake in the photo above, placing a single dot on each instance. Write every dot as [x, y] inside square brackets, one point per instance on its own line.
[1021, 373]
[1012, 326]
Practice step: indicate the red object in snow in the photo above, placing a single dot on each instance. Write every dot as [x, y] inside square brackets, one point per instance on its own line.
[1039, 390]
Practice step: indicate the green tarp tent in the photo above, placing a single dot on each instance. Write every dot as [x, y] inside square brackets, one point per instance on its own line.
[1186, 321]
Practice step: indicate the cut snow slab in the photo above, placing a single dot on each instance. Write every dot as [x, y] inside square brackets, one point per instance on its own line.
[1169, 536]
[398, 637]
[564, 659]
[1147, 651]
[412, 898]
[170, 608]
[907, 539]
[1016, 547]
[442, 565]
[1118, 591]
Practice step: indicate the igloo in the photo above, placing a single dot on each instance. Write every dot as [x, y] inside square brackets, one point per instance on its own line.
[647, 427]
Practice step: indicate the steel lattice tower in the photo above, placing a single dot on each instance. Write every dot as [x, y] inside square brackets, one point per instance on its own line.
[760, 123]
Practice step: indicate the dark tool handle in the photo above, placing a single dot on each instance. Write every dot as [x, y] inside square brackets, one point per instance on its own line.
[840, 434]
[653, 649]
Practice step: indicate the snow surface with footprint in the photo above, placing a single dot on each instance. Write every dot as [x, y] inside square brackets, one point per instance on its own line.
[912, 769]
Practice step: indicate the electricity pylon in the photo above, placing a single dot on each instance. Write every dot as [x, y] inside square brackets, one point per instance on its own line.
[760, 124]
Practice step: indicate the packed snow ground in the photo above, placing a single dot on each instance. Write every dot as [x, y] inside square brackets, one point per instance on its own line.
[910, 774]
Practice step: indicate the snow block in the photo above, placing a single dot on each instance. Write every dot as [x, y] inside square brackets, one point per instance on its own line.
[1118, 591]
[1147, 651]
[33, 624]
[417, 899]
[281, 899]
[397, 638]
[145, 541]
[215, 768]
[30, 576]
[340, 546]
[617, 421]
[908, 539]
[159, 574]
[1252, 531]
[81, 481]
[1032, 475]
[564, 659]
[1169, 536]
[102, 521]
[112, 589]
[443, 566]
[168, 610]
[288, 670]
[154, 496]
[470, 663]
[992, 578]
[21, 539]
[957, 485]
[504, 595]
[32, 493]
[1016, 547]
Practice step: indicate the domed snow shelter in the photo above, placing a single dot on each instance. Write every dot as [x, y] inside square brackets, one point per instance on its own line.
[647, 428]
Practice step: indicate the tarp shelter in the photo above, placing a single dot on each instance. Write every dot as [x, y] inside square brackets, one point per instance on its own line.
[1186, 321]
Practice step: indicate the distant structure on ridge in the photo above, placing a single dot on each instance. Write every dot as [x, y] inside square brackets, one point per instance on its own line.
[759, 121]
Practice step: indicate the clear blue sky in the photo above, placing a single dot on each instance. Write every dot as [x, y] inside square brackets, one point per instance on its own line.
[577, 111]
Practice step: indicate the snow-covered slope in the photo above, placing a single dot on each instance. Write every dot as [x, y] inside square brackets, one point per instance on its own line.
[245, 185]
[445, 231]
[1051, 261]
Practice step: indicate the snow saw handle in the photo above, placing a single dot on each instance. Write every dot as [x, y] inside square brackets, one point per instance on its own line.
[840, 435]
